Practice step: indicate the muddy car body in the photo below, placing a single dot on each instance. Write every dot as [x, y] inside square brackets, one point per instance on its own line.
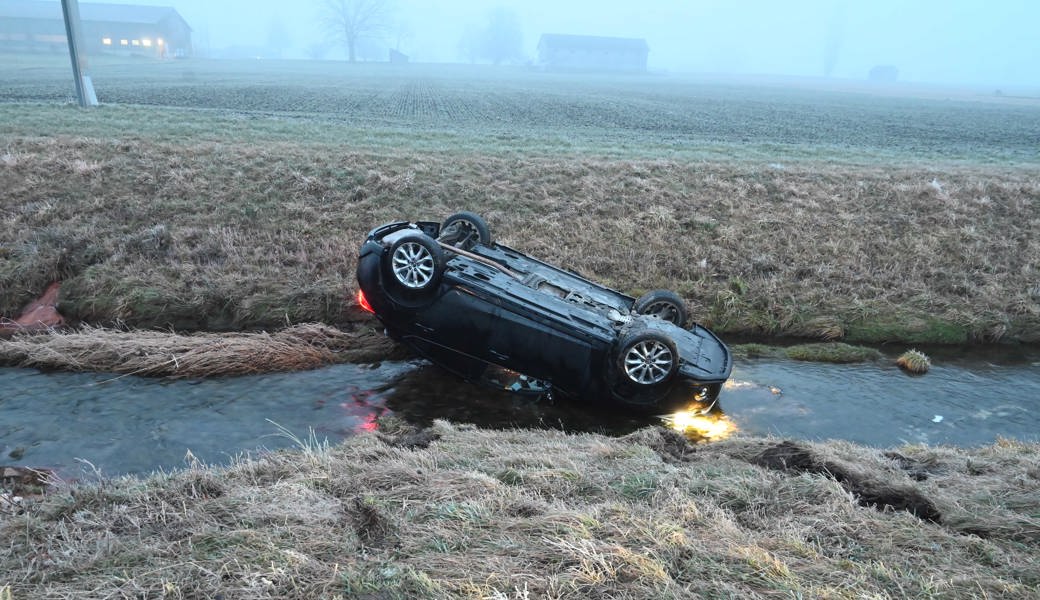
[479, 308]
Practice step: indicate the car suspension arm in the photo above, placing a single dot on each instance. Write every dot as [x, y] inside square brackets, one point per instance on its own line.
[482, 260]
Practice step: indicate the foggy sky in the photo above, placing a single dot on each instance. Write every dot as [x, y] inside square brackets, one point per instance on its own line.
[979, 42]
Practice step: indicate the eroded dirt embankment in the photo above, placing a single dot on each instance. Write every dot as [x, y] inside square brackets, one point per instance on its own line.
[40, 315]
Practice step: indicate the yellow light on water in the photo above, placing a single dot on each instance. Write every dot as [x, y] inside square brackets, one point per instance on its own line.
[711, 426]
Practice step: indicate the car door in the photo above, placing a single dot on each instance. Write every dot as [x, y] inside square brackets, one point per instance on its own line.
[460, 320]
[539, 347]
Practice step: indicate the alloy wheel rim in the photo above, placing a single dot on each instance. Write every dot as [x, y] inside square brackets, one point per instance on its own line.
[648, 362]
[413, 265]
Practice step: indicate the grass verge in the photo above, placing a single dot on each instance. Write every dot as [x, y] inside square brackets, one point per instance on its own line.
[241, 235]
[457, 512]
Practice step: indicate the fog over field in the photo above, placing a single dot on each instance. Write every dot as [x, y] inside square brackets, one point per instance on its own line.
[935, 41]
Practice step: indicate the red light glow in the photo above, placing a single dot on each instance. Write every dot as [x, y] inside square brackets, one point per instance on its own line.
[364, 302]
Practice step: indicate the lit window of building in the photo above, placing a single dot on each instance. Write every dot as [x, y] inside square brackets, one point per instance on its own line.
[106, 41]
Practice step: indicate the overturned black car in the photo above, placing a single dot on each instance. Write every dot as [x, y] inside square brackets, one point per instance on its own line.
[492, 314]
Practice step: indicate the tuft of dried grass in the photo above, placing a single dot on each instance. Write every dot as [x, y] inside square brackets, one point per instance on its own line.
[824, 327]
[914, 361]
[168, 354]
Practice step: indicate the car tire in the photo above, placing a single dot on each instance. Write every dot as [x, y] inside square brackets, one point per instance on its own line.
[465, 230]
[646, 358]
[662, 304]
[645, 363]
[415, 264]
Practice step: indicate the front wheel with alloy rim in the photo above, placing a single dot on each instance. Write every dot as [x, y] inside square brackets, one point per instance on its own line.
[647, 359]
[416, 262]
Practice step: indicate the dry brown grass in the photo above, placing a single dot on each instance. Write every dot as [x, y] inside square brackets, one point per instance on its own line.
[158, 353]
[530, 514]
[914, 361]
[237, 236]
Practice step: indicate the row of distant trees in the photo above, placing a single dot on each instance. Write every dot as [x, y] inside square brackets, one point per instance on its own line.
[353, 24]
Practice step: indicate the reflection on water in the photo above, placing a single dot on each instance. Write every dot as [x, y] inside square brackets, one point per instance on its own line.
[429, 393]
[702, 424]
[126, 424]
[136, 425]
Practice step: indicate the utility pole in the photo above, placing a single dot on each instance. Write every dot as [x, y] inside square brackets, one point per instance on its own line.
[84, 87]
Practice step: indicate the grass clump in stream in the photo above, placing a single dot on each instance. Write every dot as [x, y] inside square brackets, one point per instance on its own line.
[832, 352]
[914, 361]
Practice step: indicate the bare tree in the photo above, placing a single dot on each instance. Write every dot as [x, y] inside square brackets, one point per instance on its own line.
[348, 21]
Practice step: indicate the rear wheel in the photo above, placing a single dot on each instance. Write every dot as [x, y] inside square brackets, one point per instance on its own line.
[662, 304]
[415, 263]
[465, 230]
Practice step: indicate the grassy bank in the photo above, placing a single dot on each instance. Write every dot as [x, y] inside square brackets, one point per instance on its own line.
[231, 235]
[224, 195]
[457, 512]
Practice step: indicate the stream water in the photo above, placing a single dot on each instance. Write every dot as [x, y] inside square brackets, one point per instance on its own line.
[79, 424]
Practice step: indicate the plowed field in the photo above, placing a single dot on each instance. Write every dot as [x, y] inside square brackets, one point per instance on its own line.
[641, 114]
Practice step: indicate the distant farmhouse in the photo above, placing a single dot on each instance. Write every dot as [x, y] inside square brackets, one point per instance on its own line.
[592, 53]
[36, 26]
